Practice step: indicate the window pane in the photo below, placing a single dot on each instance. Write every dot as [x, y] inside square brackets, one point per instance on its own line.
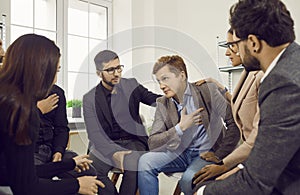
[17, 31]
[48, 34]
[98, 22]
[95, 47]
[45, 14]
[93, 80]
[78, 18]
[22, 12]
[80, 80]
[77, 54]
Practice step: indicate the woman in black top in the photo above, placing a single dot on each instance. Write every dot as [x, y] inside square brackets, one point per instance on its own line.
[27, 74]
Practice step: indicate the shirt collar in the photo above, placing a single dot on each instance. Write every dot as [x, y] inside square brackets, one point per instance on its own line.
[105, 91]
[272, 65]
[187, 92]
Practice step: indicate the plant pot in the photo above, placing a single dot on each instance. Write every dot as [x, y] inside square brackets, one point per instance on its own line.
[76, 112]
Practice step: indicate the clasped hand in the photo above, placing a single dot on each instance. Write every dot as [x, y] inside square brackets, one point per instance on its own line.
[82, 163]
[209, 171]
[189, 120]
[89, 185]
[210, 156]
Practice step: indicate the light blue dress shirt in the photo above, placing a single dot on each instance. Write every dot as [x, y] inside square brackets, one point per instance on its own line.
[197, 135]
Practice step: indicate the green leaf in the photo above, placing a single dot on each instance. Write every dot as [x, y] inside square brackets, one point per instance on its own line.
[74, 103]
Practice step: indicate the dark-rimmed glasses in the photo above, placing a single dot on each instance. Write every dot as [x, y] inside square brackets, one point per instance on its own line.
[233, 46]
[112, 70]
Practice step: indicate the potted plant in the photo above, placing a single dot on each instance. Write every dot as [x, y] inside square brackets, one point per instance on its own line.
[76, 107]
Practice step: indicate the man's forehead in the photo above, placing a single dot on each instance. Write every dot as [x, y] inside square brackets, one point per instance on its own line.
[112, 63]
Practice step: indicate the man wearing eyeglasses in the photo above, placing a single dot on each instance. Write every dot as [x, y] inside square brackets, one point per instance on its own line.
[265, 36]
[115, 130]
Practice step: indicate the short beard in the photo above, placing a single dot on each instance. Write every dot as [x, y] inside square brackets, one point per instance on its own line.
[250, 63]
[108, 83]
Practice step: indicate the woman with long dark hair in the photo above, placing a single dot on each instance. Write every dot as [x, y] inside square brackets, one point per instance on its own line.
[27, 74]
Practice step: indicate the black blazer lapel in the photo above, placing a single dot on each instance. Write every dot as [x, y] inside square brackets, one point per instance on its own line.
[102, 107]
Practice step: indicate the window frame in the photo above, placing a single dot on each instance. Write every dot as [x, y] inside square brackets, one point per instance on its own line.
[62, 34]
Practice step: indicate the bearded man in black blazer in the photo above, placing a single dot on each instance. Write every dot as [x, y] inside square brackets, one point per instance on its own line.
[115, 130]
[264, 34]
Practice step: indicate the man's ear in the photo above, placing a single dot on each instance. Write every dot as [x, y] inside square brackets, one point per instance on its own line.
[99, 73]
[183, 76]
[254, 44]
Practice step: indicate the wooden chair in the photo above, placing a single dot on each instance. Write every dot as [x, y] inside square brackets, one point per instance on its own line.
[71, 133]
[115, 175]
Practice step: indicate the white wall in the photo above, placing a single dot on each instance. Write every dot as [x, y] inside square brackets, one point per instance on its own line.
[147, 29]
[122, 35]
[294, 7]
[201, 21]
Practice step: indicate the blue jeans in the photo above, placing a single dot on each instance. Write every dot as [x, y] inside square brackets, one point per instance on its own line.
[153, 163]
[186, 180]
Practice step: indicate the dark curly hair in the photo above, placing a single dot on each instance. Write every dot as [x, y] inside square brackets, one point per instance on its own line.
[268, 19]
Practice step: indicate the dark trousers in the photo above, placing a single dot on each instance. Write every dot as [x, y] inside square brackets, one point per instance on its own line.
[43, 157]
[129, 180]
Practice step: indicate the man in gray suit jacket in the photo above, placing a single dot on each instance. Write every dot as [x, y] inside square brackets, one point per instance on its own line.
[264, 34]
[188, 122]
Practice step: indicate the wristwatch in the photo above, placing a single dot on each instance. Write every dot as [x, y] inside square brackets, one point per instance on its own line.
[240, 166]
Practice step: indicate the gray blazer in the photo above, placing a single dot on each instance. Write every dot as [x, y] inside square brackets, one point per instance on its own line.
[273, 166]
[98, 119]
[164, 136]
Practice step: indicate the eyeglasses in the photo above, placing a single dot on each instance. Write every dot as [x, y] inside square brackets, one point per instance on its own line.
[113, 69]
[233, 46]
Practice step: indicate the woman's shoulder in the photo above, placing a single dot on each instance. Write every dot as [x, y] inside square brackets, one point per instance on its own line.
[257, 74]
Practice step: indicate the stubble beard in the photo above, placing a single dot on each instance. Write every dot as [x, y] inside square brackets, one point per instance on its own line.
[250, 63]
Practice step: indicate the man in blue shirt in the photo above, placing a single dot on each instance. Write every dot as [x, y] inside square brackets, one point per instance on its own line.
[188, 123]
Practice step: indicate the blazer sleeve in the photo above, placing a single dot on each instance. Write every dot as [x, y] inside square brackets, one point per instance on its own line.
[98, 138]
[60, 124]
[52, 169]
[161, 137]
[221, 108]
[274, 160]
[241, 153]
[147, 97]
[21, 171]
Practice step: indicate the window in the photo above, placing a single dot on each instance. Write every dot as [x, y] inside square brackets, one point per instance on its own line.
[79, 27]
[33, 16]
[87, 34]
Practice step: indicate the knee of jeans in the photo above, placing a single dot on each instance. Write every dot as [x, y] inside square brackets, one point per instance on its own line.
[144, 163]
[185, 182]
